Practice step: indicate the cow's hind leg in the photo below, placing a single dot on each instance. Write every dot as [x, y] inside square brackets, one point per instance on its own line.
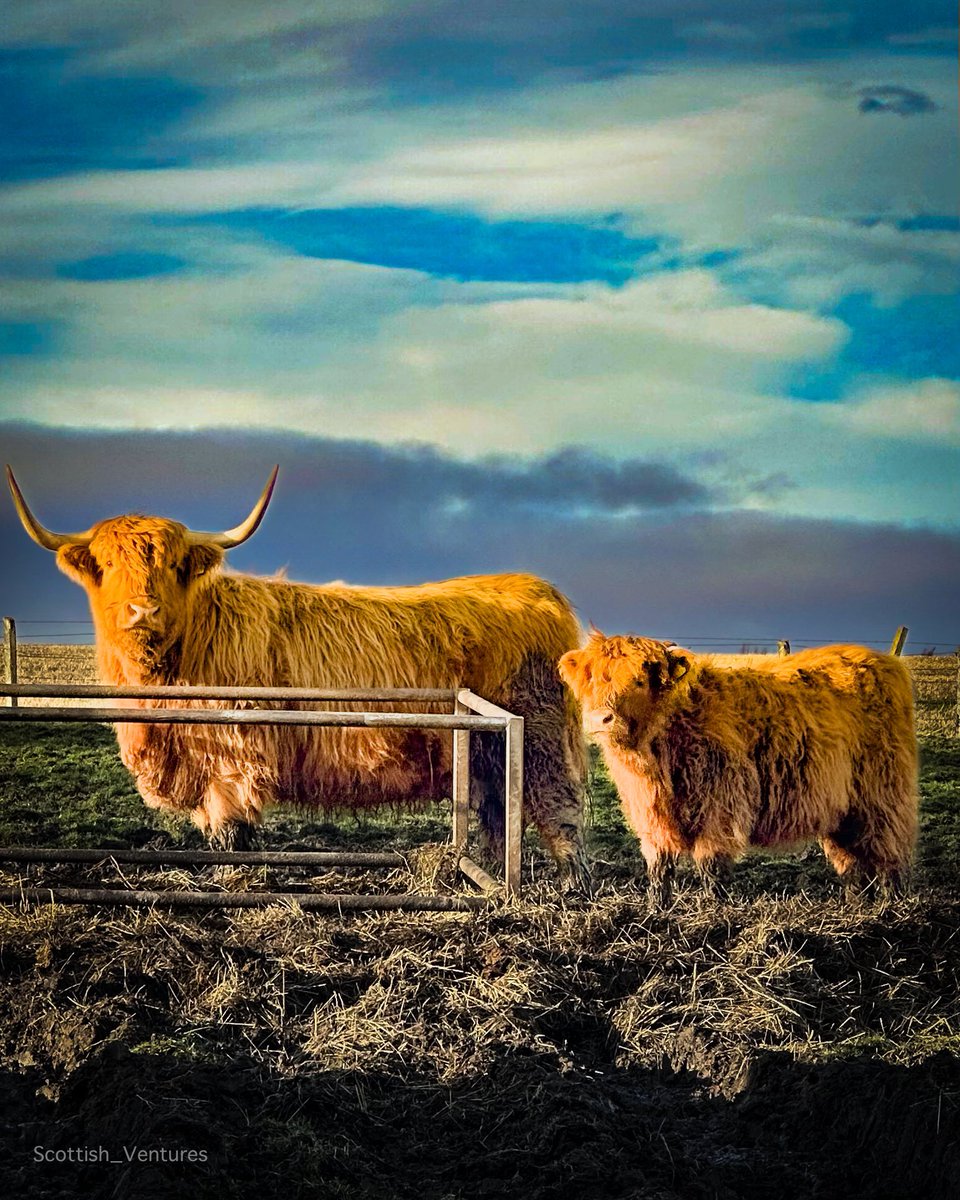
[554, 768]
[857, 872]
[867, 864]
[716, 873]
[840, 857]
[486, 796]
[553, 803]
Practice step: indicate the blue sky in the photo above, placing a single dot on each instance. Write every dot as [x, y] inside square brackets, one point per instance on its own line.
[545, 279]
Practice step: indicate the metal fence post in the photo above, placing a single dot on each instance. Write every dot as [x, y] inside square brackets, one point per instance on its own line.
[461, 781]
[514, 806]
[896, 646]
[10, 643]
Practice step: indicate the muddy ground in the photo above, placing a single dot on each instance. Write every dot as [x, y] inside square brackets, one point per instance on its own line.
[780, 1047]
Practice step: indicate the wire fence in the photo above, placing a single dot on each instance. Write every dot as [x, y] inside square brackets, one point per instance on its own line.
[79, 632]
[935, 669]
[61, 632]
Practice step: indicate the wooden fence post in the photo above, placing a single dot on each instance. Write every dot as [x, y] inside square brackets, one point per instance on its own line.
[10, 642]
[958, 693]
[896, 646]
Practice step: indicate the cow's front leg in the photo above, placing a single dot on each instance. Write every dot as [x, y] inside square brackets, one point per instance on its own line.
[660, 872]
[229, 815]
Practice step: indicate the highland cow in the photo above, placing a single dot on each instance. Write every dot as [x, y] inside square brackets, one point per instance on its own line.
[712, 761]
[165, 612]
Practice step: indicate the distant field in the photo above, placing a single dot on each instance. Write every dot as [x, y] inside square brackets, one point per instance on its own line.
[38, 663]
[937, 678]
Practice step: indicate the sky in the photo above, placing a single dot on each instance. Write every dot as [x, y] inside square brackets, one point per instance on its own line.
[657, 299]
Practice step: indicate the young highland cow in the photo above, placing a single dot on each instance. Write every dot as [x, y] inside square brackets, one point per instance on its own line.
[711, 761]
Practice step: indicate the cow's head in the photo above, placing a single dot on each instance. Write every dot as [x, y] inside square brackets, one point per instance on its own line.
[138, 571]
[621, 682]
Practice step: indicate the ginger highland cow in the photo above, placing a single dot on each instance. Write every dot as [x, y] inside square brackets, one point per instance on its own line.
[165, 612]
[711, 761]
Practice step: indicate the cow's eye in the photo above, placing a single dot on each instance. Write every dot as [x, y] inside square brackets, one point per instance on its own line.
[108, 562]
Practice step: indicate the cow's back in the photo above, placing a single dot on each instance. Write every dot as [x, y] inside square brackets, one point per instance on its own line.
[474, 631]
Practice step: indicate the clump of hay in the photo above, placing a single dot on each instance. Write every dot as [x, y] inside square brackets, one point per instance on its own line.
[435, 867]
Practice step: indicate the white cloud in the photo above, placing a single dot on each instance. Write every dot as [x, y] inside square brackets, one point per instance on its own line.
[714, 154]
[923, 410]
[320, 345]
[174, 189]
[943, 36]
[680, 323]
[635, 164]
[190, 40]
[817, 261]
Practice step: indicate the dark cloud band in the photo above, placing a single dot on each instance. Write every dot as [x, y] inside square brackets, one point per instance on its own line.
[637, 545]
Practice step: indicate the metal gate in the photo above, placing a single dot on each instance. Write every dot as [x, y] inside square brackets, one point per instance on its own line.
[469, 713]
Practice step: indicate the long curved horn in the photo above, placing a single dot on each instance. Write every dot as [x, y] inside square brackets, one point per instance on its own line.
[41, 535]
[239, 533]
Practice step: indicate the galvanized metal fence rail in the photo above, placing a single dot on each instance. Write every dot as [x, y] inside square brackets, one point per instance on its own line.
[471, 713]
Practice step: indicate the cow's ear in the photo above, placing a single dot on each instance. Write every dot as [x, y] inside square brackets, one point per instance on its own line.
[575, 668]
[678, 664]
[568, 665]
[199, 560]
[79, 564]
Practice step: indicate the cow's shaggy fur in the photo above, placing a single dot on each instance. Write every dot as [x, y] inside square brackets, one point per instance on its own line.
[499, 635]
[711, 761]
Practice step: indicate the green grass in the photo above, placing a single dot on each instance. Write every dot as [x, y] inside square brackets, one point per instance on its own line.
[939, 849]
[65, 785]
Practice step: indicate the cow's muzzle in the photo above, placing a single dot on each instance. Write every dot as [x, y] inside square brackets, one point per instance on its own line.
[599, 721]
[135, 615]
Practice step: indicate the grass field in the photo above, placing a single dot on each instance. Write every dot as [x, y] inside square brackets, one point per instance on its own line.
[785, 1042]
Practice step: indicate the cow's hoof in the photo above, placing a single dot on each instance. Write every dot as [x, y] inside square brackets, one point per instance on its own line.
[716, 877]
[234, 836]
[659, 899]
[575, 878]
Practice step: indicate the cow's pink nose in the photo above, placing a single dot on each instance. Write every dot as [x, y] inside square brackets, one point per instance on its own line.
[141, 612]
